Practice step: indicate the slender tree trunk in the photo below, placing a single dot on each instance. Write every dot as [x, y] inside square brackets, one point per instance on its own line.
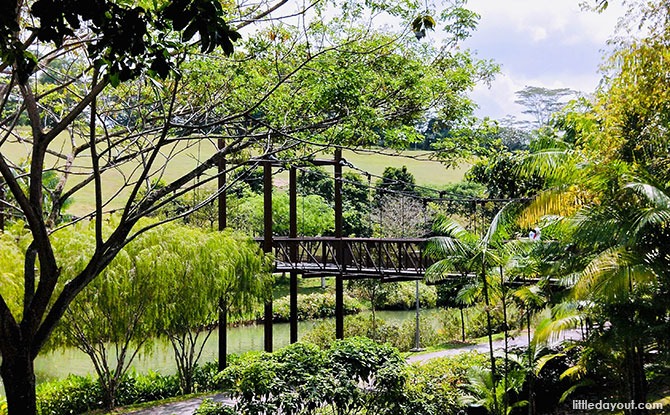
[636, 380]
[505, 331]
[18, 375]
[462, 325]
[531, 374]
[489, 327]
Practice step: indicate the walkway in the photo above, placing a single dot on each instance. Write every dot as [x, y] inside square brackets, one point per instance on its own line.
[189, 406]
[186, 407]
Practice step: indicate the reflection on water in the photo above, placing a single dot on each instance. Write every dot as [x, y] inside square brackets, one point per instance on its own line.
[61, 363]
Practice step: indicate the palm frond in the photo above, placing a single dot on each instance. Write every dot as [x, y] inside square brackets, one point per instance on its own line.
[612, 275]
[441, 270]
[447, 226]
[447, 246]
[545, 163]
[555, 203]
[567, 315]
[469, 293]
[653, 194]
[651, 218]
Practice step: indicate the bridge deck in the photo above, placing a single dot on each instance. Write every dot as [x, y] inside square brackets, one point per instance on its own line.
[385, 258]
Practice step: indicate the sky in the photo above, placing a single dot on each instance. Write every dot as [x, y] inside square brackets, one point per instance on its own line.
[547, 43]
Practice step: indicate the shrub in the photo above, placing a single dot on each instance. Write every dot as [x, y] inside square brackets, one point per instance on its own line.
[80, 394]
[313, 306]
[401, 336]
[72, 395]
[204, 375]
[152, 387]
[434, 387]
[302, 378]
[402, 296]
[475, 321]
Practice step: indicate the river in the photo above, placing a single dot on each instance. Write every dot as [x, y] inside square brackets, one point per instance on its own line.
[61, 363]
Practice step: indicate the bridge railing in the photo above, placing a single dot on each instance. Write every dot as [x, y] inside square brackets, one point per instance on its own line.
[351, 256]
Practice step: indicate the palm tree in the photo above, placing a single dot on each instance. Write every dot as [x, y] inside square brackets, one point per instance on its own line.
[462, 252]
[624, 284]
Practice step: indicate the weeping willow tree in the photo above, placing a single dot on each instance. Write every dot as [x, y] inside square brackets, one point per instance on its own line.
[165, 282]
[224, 266]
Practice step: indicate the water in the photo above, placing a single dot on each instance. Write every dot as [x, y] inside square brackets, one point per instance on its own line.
[61, 363]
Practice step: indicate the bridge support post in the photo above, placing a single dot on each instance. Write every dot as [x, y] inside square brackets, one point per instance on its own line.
[223, 307]
[339, 285]
[267, 247]
[293, 234]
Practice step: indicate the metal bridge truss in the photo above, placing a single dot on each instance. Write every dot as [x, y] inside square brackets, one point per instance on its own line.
[387, 259]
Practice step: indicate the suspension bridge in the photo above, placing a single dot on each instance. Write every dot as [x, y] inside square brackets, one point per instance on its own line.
[345, 258]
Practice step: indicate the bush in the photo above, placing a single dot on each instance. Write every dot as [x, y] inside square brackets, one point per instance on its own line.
[313, 306]
[72, 395]
[204, 376]
[402, 296]
[352, 375]
[475, 321]
[152, 387]
[400, 336]
[434, 387]
[80, 394]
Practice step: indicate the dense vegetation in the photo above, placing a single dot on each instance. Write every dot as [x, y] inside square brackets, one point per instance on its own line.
[120, 93]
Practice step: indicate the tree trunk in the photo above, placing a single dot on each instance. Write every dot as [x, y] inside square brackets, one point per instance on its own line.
[532, 407]
[489, 329]
[462, 325]
[636, 380]
[18, 375]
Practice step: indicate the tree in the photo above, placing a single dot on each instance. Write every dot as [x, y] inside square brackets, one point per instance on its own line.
[458, 250]
[542, 102]
[120, 95]
[315, 181]
[609, 192]
[135, 296]
[355, 206]
[315, 216]
[395, 180]
[503, 176]
[225, 266]
[401, 217]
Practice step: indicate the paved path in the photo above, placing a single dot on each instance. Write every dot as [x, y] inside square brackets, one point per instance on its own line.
[189, 406]
[186, 407]
[520, 340]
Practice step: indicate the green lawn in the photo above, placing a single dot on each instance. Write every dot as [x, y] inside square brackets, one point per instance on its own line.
[116, 181]
[426, 173]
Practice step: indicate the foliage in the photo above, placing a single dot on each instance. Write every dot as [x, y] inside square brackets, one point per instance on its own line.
[72, 395]
[398, 335]
[350, 376]
[314, 306]
[395, 180]
[122, 92]
[136, 296]
[503, 177]
[315, 216]
[483, 391]
[315, 181]
[83, 394]
[209, 407]
[436, 385]
[355, 206]
[402, 296]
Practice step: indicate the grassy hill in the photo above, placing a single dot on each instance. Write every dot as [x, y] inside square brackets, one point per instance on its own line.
[427, 173]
